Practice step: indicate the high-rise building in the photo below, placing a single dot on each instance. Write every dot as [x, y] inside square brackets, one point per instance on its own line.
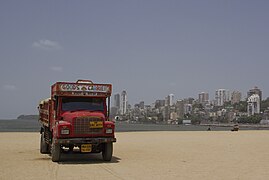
[171, 99]
[123, 103]
[117, 101]
[236, 97]
[166, 113]
[159, 103]
[188, 101]
[255, 90]
[180, 108]
[222, 96]
[253, 104]
[203, 98]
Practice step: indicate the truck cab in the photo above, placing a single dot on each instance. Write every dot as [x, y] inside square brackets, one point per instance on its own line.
[76, 118]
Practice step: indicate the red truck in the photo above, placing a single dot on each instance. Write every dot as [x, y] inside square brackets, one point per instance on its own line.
[76, 119]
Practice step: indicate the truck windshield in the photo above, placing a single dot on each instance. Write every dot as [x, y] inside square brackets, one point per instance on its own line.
[74, 104]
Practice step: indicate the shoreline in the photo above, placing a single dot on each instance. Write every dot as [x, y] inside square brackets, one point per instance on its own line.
[32, 125]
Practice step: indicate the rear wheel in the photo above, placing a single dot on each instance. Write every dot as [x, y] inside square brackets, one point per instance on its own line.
[107, 151]
[55, 152]
[44, 147]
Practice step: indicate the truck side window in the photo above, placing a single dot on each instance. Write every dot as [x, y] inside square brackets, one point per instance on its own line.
[55, 103]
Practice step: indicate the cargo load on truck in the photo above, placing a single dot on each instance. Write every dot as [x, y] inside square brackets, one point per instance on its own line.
[76, 118]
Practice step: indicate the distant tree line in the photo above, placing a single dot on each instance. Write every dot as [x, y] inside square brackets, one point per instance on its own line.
[255, 119]
[28, 117]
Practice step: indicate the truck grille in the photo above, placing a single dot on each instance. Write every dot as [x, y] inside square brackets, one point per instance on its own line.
[82, 125]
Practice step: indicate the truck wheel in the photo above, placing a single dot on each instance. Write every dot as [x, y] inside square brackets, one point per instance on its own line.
[107, 151]
[55, 152]
[44, 147]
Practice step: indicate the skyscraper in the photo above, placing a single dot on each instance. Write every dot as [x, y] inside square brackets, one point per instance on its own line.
[203, 98]
[117, 101]
[159, 103]
[123, 103]
[171, 99]
[222, 96]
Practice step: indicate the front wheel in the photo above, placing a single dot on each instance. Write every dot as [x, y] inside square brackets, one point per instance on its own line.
[44, 147]
[107, 151]
[55, 152]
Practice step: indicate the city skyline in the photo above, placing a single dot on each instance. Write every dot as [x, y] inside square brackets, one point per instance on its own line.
[149, 48]
[232, 95]
[227, 107]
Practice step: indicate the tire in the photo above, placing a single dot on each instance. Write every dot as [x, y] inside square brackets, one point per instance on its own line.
[55, 152]
[44, 147]
[107, 151]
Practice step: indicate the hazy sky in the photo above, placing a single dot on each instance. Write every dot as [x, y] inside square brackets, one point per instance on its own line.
[149, 48]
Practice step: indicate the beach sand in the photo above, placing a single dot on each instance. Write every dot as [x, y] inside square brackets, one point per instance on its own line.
[145, 155]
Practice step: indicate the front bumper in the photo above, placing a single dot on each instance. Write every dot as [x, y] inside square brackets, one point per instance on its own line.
[78, 141]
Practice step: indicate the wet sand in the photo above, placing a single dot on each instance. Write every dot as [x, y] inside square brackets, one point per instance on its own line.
[145, 155]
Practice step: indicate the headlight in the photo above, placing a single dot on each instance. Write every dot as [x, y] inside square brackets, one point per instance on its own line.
[65, 131]
[109, 131]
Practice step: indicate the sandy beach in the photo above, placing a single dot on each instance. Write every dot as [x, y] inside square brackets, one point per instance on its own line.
[145, 155]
